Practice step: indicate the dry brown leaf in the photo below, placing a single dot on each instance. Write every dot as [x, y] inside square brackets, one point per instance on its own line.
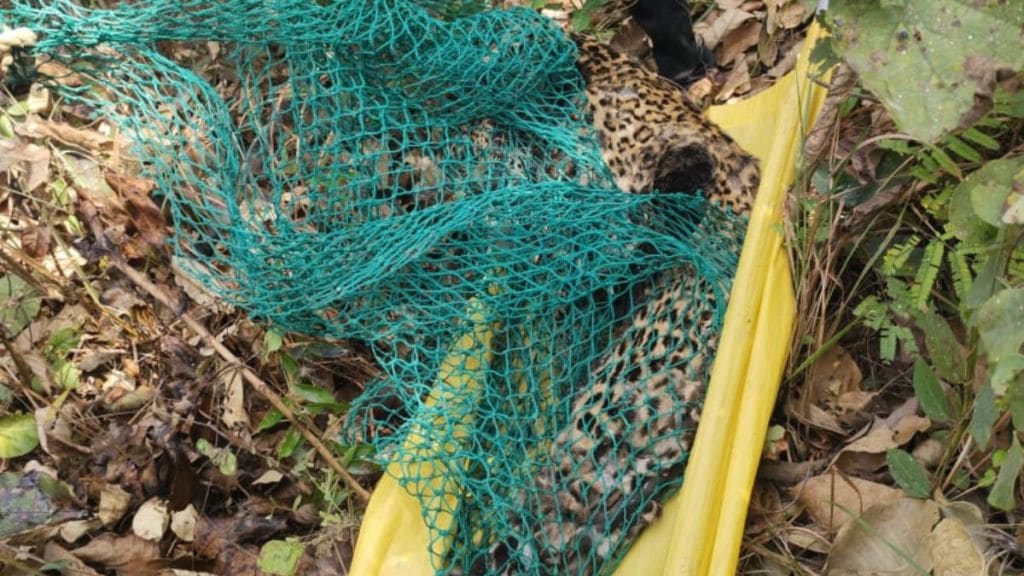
[123, 396]
[195, 290]
[68, 78]
[73, 316]
[819, 418]
[216, 537]
[772, 7]
[35, 241]
[29, 339]
[238, 561]
[908, 408]
[768, 50]
[904, 525]
[121, 300]
[130, 367]
[854, 401]
[967, 513]
[825, 496]
[906, 428]
[222, 539]
[832, 375]
[114, 502]
[737, 81]
[953, 551]
[735, 43]
[38, 101]
[807, 539]
[183, 523]
[766, 508]
[60, 427]
[867, 453]
[72, 530]
[88, 180]
[268, 477]
[792, 15]
[46, 418]
[860, 462]
[233, 413]
[129, 555]
[90, 140]
[54, 552]
[58, 262]
[40, 368]
[145, 215]
[700, 89]
[790, 473]
[929, 452]
[28, 164]
[329, 566]
[786, 63]
[729, 4]
[727, 21]
[151, 520]
[878, 439]
[830, 397]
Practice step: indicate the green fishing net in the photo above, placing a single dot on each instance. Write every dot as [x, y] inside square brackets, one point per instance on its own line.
[410, 174]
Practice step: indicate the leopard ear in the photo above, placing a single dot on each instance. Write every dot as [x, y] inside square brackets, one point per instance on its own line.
[685, 169]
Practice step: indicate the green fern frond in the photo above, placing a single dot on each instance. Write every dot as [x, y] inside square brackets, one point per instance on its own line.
[937, 201]
[896, 257]
[943, 160]
[887, 343]
[872, 312]
[1009, 104]
[927, 169]
[927, 273]
[961, 148]
[963, 279]
[901, 301]
[1015, 268]
[981, 139]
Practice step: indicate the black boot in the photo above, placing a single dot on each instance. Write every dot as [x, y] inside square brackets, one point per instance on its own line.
[677, 52]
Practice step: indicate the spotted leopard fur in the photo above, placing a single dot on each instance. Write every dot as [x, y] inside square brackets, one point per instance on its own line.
[653, 138]
[634, 422]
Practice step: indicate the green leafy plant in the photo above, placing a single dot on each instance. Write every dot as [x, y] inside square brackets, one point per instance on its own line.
[307, 400]
[581, 21]
[960, 267]
[950, 267]
[280, 556]
[912, 55]
[19, 304]
[18, 435]
[908, 473]
[58, 351]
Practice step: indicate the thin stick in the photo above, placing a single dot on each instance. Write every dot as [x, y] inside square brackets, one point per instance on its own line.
[89, 212]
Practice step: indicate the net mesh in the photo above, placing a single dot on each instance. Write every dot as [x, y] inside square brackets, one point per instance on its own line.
[423, 176]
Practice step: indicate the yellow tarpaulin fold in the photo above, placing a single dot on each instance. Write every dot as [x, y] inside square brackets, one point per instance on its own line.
[701, 527]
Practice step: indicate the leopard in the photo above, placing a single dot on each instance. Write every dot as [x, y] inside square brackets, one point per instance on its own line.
[632, 417]
[634, 420]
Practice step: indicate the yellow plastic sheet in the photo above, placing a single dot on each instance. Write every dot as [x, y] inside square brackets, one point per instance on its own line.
[700, 529]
